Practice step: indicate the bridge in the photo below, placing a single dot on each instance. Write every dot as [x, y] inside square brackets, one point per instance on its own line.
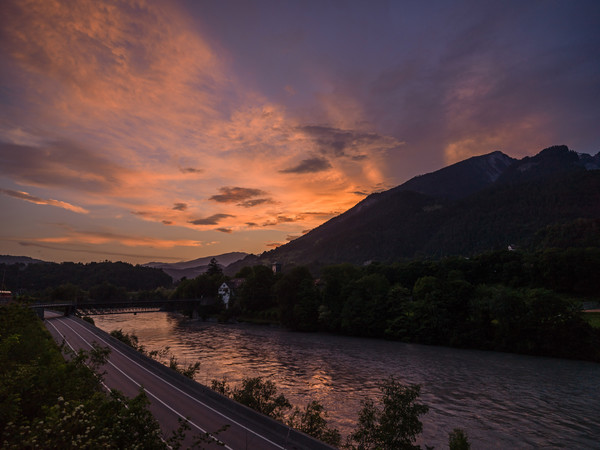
[91, 308]
[173, 396]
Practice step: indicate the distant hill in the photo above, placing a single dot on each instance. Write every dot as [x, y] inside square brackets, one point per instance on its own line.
[483, 203]
[8, 259]
[193, 268]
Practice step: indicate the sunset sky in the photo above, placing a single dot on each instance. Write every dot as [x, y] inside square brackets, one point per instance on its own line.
[164, 131]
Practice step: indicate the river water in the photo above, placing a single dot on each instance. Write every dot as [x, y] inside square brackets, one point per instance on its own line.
[501, 400]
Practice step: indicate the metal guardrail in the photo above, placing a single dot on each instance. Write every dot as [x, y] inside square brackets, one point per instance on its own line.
[121, 307]
[295, 439]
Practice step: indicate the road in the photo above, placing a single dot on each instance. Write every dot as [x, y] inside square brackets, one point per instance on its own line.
[173, 396]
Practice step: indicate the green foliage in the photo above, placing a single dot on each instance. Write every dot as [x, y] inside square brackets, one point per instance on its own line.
[129, 339]
[261, 395]
[108, 292]
[132, 340]
[49, 402]
[89, 320]
[458, 440]
[109, 422]
[190, 371]
[69, 281]
[582, 233]
[313, 421]
[298, 300]
[67, 292]
[221, 387]
[256, 293]
[199, 441]
[214, 269]
[394, 423]
[572, 270]
[593, 318]
[506, 300]
[204, 286]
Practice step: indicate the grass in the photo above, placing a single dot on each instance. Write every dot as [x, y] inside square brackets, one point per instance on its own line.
[593, 318]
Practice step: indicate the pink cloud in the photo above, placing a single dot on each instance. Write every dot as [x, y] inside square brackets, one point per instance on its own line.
[42, 201]
[71, 235]
[132, 110]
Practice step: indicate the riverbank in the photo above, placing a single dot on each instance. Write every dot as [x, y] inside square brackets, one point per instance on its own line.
[501, 400]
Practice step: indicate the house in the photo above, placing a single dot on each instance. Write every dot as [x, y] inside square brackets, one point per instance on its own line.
[227, 290]
[276, 267]
[224, 293]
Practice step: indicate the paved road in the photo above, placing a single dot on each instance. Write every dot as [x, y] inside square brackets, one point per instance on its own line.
[173, 396]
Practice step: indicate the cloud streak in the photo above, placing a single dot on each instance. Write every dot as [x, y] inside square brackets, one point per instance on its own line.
[311, 165]
[42, 201]
[210, 220]
[236, 194]
[62, 164]
[88, 250]
[71, 235]
[180, 207]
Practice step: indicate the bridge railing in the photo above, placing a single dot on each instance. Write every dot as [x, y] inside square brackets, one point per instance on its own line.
[96, 307]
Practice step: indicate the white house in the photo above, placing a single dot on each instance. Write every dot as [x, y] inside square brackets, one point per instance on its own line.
[225, 294]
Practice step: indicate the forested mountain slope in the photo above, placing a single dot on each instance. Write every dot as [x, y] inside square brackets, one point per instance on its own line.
[480, 204]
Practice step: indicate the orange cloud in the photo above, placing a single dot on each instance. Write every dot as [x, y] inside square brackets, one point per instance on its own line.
[159, 124]
[71, 235]
[42, 201]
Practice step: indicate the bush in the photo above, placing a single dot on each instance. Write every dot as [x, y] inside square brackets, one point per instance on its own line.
[392, 425]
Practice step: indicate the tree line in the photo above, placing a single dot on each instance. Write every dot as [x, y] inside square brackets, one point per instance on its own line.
[514, 301]
[506, 300]
[70, 281]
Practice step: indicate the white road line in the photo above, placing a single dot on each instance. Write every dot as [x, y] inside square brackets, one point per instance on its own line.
[145, 390]
[102, 382]
[75, 351]
[176, 388]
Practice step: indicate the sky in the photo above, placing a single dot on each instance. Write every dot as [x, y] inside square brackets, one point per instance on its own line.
[171, 130]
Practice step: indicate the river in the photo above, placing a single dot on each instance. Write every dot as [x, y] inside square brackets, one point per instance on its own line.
[501, 400]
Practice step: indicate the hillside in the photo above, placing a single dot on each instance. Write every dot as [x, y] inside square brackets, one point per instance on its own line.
[483, 203]
[8, 259]
[193, 268]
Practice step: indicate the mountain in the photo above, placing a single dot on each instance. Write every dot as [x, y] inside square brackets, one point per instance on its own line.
[193, 268]
[461, 179]
[483, 203]
[8, 259]
[551, 161]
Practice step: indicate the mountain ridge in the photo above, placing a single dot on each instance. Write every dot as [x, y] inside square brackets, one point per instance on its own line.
[482, 203]
[195, 267]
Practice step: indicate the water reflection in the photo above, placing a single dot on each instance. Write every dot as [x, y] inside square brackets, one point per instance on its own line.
[501, 400]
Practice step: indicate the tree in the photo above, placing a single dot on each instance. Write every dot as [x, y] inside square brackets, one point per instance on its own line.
[335, 280]
[214, 268]
[365, 310]
[256, 292]
[47, 401]
[312, 421]
[298, 300]
[261, 396]
[392, 425]
[458, 440]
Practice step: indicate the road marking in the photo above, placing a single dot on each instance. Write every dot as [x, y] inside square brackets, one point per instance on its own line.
[146, 390]
[176, 388]
[74, 351]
